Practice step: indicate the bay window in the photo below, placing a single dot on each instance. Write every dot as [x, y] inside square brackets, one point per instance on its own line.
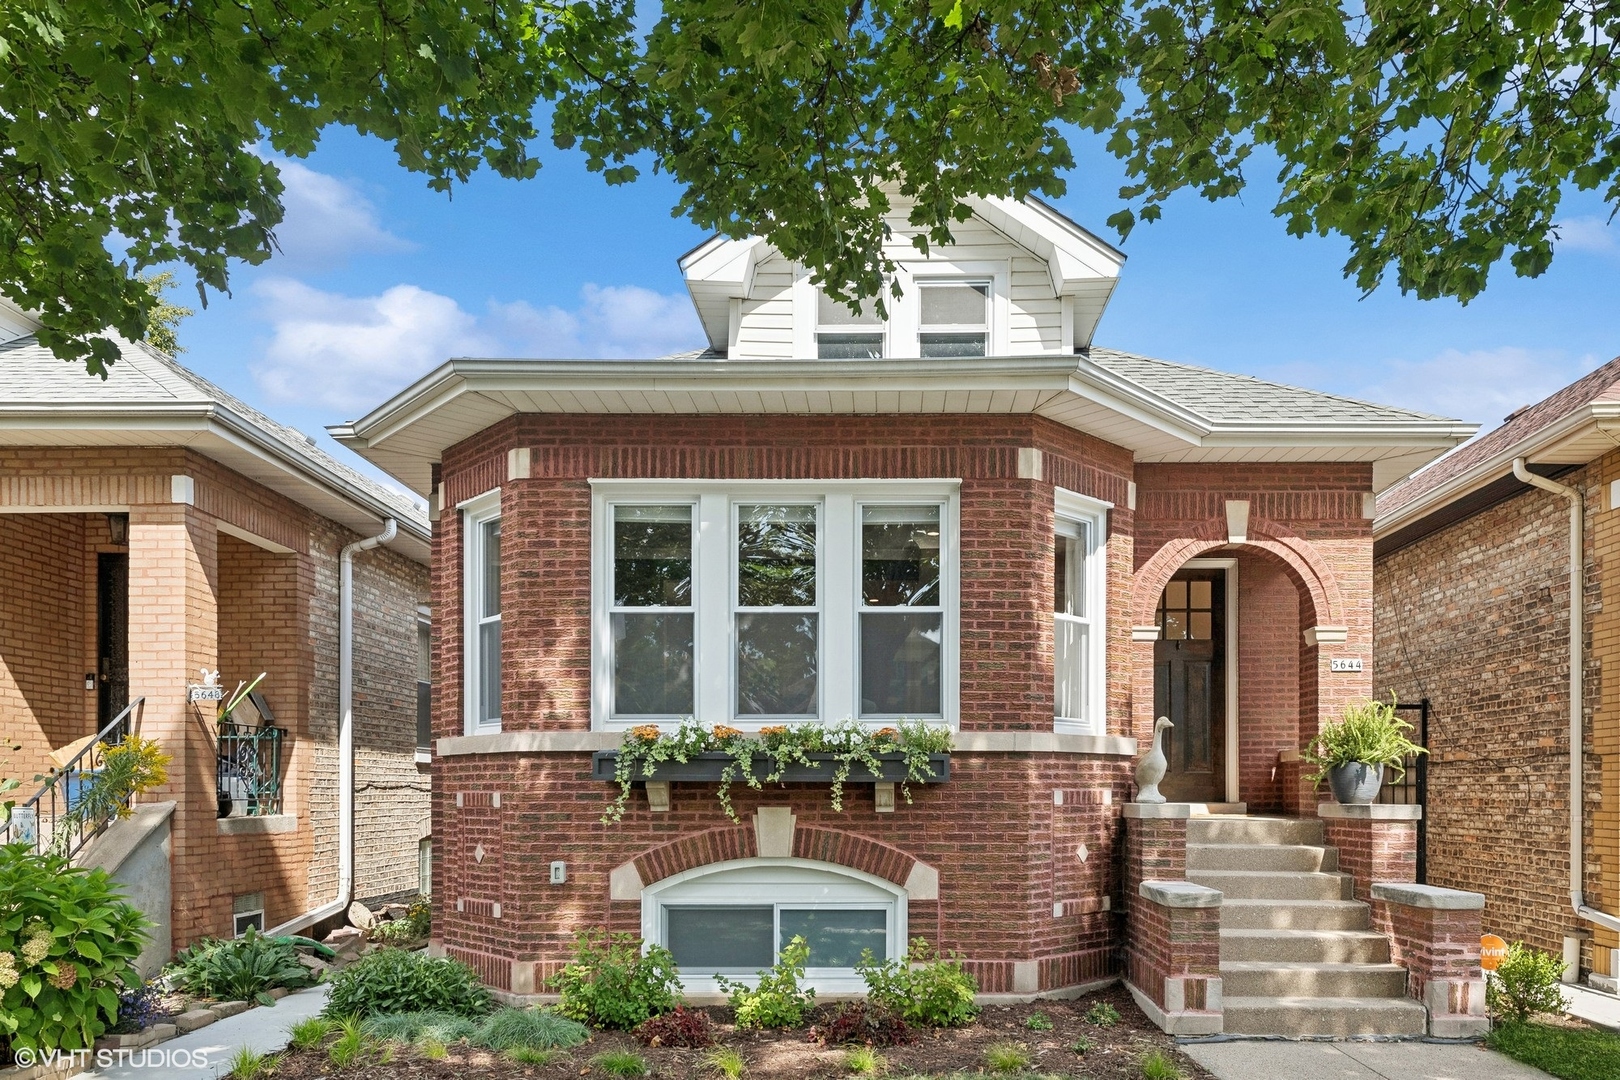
[481, 600]
[1078, 619]
[756, 604]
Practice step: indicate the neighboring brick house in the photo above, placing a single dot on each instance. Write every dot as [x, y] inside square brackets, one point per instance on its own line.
[1078, 519]
[152, 526]
[1472, 583]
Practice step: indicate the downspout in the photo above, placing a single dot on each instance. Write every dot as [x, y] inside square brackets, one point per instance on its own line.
[1577, 664]
[345, 745]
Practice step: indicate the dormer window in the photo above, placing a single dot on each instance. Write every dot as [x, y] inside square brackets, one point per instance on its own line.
[842, 334]
[953, 318]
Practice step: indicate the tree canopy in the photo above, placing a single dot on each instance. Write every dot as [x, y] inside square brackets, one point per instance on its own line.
[1437, 137]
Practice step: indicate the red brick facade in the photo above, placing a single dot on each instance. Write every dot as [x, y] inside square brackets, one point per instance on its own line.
[1025, 845]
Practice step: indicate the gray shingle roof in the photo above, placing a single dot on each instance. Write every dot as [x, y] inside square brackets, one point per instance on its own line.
[1225, 398]
[31, 375]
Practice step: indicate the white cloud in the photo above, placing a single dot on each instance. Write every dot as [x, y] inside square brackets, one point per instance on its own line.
[327, 220]
[1482, 386]
[349, 353]
[1593, 234]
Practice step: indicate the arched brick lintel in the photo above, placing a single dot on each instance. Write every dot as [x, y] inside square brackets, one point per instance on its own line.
[698, 849]
[1278, 540]
[812, 843]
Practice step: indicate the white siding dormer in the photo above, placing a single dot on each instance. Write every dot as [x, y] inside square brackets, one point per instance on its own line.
[1047, 280]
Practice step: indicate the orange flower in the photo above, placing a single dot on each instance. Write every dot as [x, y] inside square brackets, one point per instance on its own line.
[892, 734]
[773, 729]
[645, 732]
[722, 733]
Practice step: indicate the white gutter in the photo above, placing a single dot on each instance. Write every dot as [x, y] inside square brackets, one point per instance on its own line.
[345, 889]
[1577, 663]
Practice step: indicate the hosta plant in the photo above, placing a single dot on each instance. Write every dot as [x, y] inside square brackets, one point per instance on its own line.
[68, 943]
[240, 969]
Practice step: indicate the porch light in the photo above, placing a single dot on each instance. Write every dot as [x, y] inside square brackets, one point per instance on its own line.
[118, 529]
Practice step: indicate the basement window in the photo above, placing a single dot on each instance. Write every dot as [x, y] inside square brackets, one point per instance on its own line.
[247, 911]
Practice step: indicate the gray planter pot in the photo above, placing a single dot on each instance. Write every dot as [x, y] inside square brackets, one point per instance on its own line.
[1356, 782]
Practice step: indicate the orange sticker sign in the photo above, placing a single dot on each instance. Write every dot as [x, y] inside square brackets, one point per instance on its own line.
[1491, 951]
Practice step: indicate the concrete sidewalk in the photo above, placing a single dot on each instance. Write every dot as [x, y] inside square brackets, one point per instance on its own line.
[1279, 1060]
[205, 1054]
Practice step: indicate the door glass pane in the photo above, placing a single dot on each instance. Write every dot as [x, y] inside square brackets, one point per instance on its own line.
[1201, 626]
[1175, 594]
[489, 670]
[849, 346]
[652, 664]
[956, 304]
[1069, 664]
[1203, 593]
[714, 938]
[776, 556]
[836, 938]
[900, 556]
[492, 567]
[652, 556]
[948, 345]
[900, 664]
[777, 664]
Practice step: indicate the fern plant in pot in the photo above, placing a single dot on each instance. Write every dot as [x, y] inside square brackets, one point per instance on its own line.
[1351, 754]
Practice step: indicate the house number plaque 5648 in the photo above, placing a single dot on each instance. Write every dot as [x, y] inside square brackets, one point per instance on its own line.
[1346, 663]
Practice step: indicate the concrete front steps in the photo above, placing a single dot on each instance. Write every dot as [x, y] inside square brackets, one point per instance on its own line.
[1298, 957]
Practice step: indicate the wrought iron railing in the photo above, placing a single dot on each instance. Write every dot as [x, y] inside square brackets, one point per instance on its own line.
[249, 770]
[1413, 788]
[52, 819]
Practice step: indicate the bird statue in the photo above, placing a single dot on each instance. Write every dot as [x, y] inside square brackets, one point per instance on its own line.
[1150, 770]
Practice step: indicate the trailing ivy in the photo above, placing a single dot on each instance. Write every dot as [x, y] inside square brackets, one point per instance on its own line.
[765, 758]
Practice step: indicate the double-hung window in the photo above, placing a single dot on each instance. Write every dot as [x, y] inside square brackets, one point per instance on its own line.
[481, 598]
[953, 318]
[757, 604]
[842, 334]
[1078, 619]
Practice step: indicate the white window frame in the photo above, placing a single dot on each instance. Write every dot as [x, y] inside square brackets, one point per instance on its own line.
[901, 327]
[475, 513]
[880, 328]
[1071, 509]
[713, 584]
[779, 882]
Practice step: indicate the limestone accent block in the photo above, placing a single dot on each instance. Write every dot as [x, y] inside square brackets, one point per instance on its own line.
[1428, 896]
[1180, 894]
[1334, 811]
[923, 882]
[1026, 977]
[624, 882]
[773, 828]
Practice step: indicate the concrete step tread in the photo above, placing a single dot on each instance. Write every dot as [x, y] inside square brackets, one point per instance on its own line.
[1249, 875]
[1221, 845]
[1398, 1005]
[1271, 932]
[1304, 965]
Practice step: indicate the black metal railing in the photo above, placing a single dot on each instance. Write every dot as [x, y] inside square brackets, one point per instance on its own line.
[1413, 788]
[53, 819]
[249, 770]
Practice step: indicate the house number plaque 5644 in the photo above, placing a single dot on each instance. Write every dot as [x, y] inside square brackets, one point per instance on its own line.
[1345, 663]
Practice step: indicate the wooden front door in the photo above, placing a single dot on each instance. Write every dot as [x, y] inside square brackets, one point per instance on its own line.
[1189, 685]
[112, 636]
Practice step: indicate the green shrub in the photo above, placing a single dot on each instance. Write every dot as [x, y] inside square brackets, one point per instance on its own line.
[415, 1027]
[392, 980]
[778, 1001]
[1038, 1021]
[925, 988]
[239, 969]
[1006, 1057]
[621, 1063]
[1083, 1046]
[1102, 1014]
[414, 927]
[611, 983]
[535, 1029]
[1525, 984]
[1157, 1065]
[68, 941]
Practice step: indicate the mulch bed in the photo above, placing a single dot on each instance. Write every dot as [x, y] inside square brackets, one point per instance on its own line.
[788, 1055]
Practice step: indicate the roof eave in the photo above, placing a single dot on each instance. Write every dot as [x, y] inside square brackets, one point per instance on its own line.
[1594, 417]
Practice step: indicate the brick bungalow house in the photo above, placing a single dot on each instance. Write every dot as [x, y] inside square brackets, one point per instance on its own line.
[152, 526]
[1098, 538]
[1473, 611]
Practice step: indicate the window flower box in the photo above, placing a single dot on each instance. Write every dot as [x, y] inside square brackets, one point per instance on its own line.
[708, 767]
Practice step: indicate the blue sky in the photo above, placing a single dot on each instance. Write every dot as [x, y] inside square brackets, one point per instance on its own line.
[381, 279]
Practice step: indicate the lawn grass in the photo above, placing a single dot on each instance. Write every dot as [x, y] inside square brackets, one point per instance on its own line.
[1570, 1053]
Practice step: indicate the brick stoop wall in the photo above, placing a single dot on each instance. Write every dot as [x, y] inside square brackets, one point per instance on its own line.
[1173, 927]
[1376, 842]
[1435, 934]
